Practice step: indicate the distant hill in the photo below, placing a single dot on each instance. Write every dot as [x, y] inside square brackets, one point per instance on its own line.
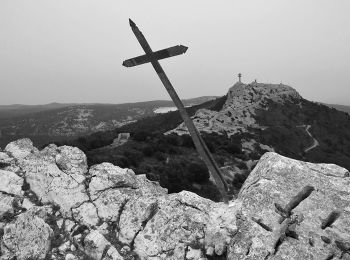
[340, 107]
[11, 111]
[55, 121]
[277, 116]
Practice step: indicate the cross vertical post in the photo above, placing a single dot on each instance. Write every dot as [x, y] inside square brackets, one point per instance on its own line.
[198, 141]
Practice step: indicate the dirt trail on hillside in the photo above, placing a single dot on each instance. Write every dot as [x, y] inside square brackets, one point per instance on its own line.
[315, 143]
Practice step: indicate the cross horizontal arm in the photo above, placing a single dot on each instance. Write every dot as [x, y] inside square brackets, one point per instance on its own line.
[158, 55]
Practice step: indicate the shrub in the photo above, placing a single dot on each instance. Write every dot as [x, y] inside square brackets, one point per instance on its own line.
[220, 160]
[233, 148]
[163, 147]
[176, 181]
[173, 139]
[187, 141]
[197, 172]
[242, 166]
[148, 150]
[122, 161]
[134, 157]
[159, 156]
[152, 177]
[254, 156]
[97, 143]
[141, 136]
[173, 150]
[242, 156]
[210, 146]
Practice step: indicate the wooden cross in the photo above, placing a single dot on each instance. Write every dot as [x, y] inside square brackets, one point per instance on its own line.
[239, 77]
[198, 141]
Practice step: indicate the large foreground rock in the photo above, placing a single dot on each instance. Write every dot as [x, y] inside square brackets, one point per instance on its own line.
[104, 212]
[53, 207]
[319, 220]
[28, 237]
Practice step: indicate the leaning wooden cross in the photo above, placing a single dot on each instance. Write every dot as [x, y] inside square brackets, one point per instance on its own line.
[200, 145]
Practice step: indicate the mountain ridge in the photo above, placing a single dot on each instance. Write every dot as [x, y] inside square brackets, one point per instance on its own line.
[340, 107]
[53, 105]
[47, 123]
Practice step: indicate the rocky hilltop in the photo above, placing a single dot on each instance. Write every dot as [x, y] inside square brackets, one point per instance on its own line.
[274, 117]
[52, 206]
[239, 110]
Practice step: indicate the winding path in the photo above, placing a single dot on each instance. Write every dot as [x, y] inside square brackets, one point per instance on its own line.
[315, 144]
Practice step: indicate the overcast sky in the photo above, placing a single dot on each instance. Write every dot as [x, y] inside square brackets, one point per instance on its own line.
[72, 50]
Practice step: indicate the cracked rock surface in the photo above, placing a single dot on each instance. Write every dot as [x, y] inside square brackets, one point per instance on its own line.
[52, 206]
[27, 237]
[280, 219]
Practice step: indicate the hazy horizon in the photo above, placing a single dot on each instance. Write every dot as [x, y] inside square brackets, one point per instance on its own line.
[72, 51]
[43, 104]
[119, 103]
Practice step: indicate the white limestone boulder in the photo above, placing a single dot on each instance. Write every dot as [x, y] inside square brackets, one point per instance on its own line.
[319, 219]
[59, 181]
[21, 148]
[28, 237]
[10, 183]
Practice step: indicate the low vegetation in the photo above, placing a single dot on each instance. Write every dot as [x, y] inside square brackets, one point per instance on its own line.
[174, 163]
[171, 160]
[285, 131]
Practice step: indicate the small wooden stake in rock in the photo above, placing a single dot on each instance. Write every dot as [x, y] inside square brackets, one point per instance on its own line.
[198, 141]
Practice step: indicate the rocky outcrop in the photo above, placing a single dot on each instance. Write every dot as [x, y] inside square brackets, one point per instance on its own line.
[121, 139]
[239, 110]
[293, 210]
[53, 207]
[20, 149]
[28, 236]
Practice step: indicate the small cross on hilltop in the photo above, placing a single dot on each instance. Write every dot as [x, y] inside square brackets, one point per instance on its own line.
[239, 77]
